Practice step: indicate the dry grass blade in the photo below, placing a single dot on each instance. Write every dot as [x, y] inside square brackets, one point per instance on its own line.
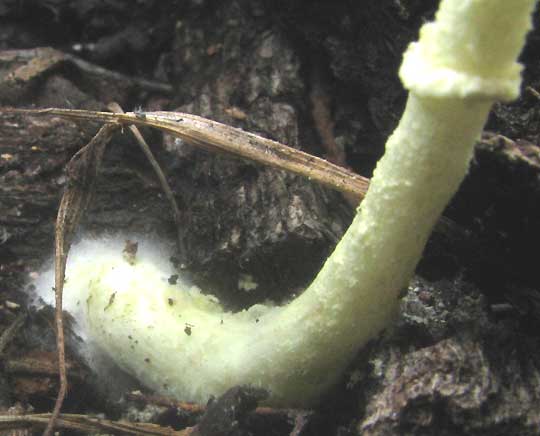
[87, 424]
[215, 136]
[82, 172]
[115, 107]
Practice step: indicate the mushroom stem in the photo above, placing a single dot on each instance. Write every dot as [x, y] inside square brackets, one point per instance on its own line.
[181, 342]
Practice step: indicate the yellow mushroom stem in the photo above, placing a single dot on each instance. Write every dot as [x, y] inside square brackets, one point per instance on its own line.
[180, 342]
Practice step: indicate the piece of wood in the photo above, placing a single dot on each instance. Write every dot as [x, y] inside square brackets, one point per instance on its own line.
[216, 136]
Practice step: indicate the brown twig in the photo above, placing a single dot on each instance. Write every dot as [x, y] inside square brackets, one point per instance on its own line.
[533, 91]
[215, 136]
[42, 59]
[159, 400]
[87, 67]
[82, 172]
[322, 117]
[115, 107]
[300, 417]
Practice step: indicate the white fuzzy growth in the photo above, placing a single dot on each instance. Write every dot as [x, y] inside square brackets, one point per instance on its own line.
[83, 256]
[172, 337]
[180, 342]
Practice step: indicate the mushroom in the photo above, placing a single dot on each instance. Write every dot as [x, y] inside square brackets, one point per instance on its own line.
[464, 61]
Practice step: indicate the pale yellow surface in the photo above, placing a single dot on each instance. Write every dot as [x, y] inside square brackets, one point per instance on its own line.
[470, 50]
